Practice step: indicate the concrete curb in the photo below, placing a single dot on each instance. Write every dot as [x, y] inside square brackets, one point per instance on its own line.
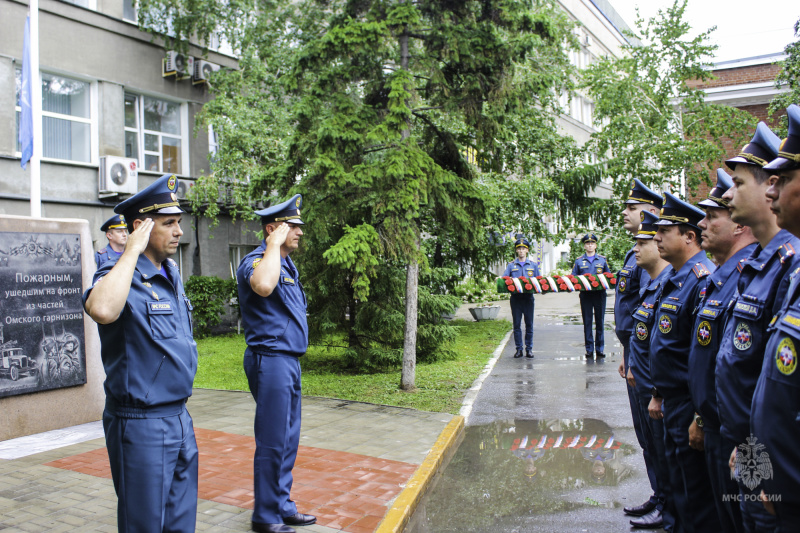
[406, 502]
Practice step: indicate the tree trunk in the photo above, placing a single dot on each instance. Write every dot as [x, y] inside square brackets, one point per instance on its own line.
[408, 375]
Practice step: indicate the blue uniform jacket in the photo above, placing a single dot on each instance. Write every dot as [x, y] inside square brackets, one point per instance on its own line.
[644, 319]
[527, 268]
[776, 403]
[104, 254]
[761, 291]
[630, 279]
[148, 353]
[672, 335]
[708, 327]
[594, 265]
[276, 324]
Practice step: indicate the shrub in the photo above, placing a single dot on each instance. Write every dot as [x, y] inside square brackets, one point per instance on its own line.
[476, 291]
[208, 295]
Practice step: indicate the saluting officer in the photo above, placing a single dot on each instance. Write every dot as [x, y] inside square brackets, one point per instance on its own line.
[273, 307]
[592, 302]
[150, 359]
[678, 241]
[117, 234]
[762, 287]
[776, 402]
[630, 279]
[730, 244]
[522, 305]
[658, 271]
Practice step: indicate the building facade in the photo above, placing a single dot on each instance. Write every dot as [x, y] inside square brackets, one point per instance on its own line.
[111, 94]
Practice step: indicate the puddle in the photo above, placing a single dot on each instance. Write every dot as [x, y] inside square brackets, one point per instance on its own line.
[510, 470]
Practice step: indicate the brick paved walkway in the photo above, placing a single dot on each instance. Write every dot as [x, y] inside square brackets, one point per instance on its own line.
[354, 459]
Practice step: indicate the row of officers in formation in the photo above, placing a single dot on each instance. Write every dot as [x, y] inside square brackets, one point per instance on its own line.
[149, 355]
[711, 348]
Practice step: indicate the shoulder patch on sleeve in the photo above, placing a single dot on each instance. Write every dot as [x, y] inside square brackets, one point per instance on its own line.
[786, 251]
[700, 270]
[256, 261]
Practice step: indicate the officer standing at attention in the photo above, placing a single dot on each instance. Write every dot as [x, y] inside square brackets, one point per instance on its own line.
[522, 305]
[150, 359]
[658, 271]
[776, 403]
[629, 280]
[117, 235]
[592, 302]
[678, 241]
[273, 307]
[730, 244]
[761, 290]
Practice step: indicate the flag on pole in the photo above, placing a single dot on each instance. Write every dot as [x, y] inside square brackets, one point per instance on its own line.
[26, 99]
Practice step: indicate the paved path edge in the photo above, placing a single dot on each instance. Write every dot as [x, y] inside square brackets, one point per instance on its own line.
[405, 504]
[472, 393]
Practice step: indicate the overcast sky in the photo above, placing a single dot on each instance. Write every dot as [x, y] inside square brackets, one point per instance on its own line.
[745, 28]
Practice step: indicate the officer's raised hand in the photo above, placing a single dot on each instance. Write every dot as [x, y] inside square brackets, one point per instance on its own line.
[266, 274]
[278, 236]
[138, 240]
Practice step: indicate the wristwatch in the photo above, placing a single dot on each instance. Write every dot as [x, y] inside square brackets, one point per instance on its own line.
[698, 420]
[654, 392]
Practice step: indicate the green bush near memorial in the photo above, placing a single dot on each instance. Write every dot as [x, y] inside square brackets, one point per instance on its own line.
[441, 385]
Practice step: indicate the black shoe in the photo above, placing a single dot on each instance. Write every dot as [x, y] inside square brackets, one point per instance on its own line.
[589, 355]
[601, 355]
[653, 520]
[300, 519]
[517, 354]
[529, 354]
[271, 528]
[640, 510]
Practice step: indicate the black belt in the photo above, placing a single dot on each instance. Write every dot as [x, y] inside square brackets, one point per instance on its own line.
[153, 411]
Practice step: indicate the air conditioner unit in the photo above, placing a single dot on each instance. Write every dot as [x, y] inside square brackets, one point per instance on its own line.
[177, 64]
[118, 175]
[202, 70]
[184, 186]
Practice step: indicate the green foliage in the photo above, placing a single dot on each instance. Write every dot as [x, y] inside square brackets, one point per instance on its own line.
[209, 295]
[644, 133]
[476, 291]
[440, 385]
[788, 77]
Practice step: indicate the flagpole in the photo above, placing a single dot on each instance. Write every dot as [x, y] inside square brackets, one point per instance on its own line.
[36, 105]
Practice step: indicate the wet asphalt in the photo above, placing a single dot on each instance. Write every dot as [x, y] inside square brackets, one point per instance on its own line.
[549, 444]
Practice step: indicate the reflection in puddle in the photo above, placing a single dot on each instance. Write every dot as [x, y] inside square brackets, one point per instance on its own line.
[518, 468]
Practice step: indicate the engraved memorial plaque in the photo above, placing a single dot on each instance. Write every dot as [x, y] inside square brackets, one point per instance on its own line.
[41, 313]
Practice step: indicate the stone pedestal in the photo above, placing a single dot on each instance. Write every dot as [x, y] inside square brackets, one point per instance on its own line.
[38, 313]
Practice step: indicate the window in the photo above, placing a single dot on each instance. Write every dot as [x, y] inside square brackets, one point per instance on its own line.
[213, 143]
[129, 11]
[237, 252]
[66, 117]
[153, 133]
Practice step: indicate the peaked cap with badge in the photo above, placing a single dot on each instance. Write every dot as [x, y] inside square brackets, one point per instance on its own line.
[522, 243]
[647, 228]
[158, 198]
[288, 211]
[589, 237]
[676, 212]
[788, 157]
[724, 182]
[642, 194]
[761, 149]
[117, 221]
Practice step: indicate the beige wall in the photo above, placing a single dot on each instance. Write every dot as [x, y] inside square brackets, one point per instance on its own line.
[27, 414]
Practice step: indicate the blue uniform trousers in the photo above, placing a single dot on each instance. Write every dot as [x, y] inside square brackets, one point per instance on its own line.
[723, 486]
[788, 518]
[275, 385]
[639, 429]
[755, 517]
[593, 303]
[689, 481]
[154, 468]
[522, 305]
[653, 431]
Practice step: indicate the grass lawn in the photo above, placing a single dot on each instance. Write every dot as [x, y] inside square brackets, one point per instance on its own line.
[440, 386]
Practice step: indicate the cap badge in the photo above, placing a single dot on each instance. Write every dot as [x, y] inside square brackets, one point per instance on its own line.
[297, 204]
[171, 182]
